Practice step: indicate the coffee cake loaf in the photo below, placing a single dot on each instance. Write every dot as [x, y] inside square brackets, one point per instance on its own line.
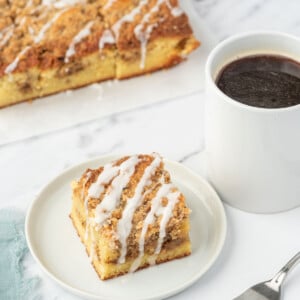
[47, 46]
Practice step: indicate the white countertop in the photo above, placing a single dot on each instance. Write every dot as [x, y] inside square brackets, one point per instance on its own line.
[257, 245]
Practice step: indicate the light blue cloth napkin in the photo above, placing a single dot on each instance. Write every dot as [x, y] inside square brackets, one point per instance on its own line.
[13, 285]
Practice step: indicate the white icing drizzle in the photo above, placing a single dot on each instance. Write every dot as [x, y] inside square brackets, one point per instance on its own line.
[128, 18]
[111, 198]
[61, 3]
[163, 191]
[166, 213]
[96, 189]
[83, 33]
[144, 35]
[4, 30]
[6, 34]
[11, 67]
[46, 27]
[48, 2]
[22, 21]
[108, 173]
[108, 4]
[106, 38]
[175, 11]
[125, 223]
[29, 3]
[151, 260]
[31, 31]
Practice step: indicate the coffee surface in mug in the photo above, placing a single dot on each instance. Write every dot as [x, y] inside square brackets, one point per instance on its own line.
[266, 81]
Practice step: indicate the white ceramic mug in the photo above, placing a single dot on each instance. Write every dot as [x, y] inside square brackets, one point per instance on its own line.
[253, 154]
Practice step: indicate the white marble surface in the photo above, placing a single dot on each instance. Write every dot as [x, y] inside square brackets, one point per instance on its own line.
[256, 246]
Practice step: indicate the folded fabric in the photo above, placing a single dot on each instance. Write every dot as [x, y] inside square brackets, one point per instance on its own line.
[13, 284]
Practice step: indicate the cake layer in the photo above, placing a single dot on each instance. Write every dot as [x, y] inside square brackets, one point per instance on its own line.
[34, 83]
[107, 271]
[161, 53]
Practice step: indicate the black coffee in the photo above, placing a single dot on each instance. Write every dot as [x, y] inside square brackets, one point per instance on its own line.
[263, 81]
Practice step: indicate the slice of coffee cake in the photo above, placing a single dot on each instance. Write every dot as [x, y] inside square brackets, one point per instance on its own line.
[129, 215]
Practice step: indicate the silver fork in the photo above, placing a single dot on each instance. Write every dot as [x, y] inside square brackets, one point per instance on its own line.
[271, 289]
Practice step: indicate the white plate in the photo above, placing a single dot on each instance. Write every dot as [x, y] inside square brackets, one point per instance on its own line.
[55, 245]
[98, 100]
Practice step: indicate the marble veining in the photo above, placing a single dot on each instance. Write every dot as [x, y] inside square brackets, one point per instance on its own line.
[232, 16]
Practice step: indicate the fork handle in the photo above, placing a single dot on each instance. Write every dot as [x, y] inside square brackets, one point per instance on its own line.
[281, 275]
